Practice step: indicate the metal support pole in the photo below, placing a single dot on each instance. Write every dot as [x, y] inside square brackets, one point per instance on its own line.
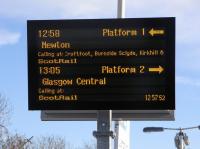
[120, 14]
[104, 117]
[104, 133]
[121, 9]
[181, 140]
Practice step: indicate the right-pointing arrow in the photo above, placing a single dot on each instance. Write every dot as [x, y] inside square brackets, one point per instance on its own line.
[159, 69]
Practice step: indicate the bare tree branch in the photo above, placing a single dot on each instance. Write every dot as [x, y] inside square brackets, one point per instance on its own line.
[50, 142]
[5, 110]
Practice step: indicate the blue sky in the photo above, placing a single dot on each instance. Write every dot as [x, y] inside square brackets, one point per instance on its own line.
[13, 65]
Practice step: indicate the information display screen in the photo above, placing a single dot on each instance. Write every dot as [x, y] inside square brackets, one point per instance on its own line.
[94, 64]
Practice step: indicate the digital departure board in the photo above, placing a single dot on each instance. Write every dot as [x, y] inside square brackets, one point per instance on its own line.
[94, 64]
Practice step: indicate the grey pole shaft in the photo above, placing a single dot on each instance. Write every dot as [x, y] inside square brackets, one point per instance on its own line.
[121, 9]
[181, 145]
[120, 14]
[104, 133]
[104, 117]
